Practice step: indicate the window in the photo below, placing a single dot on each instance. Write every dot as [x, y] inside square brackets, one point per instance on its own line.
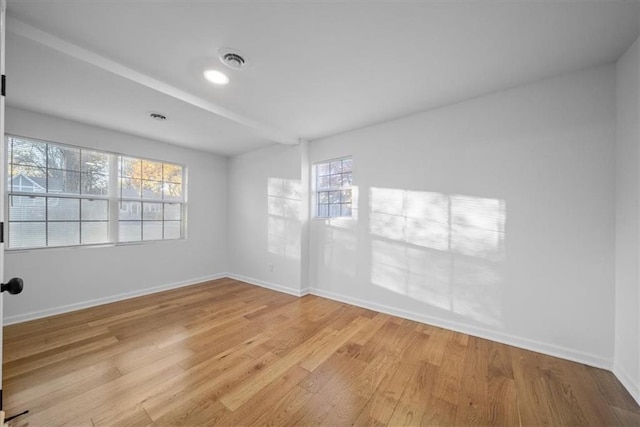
[333, 193]
[59, 195]
[151, 200]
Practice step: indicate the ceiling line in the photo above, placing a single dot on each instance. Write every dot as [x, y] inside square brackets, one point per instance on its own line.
[32, 33]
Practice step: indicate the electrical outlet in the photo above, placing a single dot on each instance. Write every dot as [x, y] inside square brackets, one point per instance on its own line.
[270, 268]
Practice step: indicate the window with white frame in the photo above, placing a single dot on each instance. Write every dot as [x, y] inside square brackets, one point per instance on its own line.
[333, 192]
[61, 195]
[151, 200]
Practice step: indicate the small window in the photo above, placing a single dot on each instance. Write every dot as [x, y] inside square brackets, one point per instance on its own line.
[333, 193]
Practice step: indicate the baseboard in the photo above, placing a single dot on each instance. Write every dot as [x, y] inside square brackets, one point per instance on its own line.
[632, 387]
[539, 347]
[268, 285]
[10, 320]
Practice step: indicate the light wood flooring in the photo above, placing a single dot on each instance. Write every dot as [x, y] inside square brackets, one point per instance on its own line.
[228, 353]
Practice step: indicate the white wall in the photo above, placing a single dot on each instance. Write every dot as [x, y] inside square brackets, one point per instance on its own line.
[627, 323]
[494, 216]
[63, 279]
[265, 207]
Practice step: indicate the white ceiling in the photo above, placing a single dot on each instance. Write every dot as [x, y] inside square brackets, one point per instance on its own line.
[315, 68]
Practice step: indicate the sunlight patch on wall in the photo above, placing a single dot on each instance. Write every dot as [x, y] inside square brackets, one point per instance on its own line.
[444, 250]
[420, 274]
[283, 217]
[416, 217]
[477, 226]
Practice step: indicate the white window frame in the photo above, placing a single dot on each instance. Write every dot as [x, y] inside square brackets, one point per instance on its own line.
[113, 198]
[142, 200]
[316, 190]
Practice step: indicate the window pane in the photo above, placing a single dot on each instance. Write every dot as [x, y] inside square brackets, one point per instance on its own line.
[151, 170]
[61, 181]
[151, 190]
[334, 211]
[172, 211]
[27, 178]
[32, 153]
[347, 165]
[336, 181]
[63, 209]
[95, 183]
[323, 197]
[323, 169]
[130, 210]
[130, 188]
[26, 208]
[95, 210]
[130, 167]
[27, 234]
[324, 183]
[334, 196]
[345, 210]
[152, 230]
[172, 229]
[172, 192]
[346, 196]
[63, 233]
[129, 231]
[63, 158]
[95, 162]
[336, 166]
[152, 211]
[172, 173]
[95, 232]
[323, 211]
[347, 179]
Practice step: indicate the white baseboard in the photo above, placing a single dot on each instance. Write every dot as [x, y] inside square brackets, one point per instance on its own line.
[537, 346]
[10, 320]
[541, 347]
[269, 285]
[632, 387]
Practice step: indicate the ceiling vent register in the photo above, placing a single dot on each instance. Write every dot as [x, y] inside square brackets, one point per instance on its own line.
[232, 59]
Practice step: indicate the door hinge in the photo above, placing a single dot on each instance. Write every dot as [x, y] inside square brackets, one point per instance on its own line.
[3, 90]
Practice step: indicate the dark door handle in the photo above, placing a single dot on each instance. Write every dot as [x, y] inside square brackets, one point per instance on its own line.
[13, 286]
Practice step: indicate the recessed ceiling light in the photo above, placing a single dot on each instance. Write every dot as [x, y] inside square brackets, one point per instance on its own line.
[217, 77]
[157, 116]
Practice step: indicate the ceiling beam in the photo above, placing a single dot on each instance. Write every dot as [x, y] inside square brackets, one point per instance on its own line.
[27, 31]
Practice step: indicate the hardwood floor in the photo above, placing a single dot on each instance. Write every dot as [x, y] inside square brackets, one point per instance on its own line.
[228, 353]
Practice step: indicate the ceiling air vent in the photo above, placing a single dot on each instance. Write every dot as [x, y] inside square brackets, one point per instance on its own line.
[232, 58]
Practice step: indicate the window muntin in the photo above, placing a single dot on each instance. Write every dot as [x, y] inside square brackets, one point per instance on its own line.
[333, 192]
[151, 200]
[60, 195]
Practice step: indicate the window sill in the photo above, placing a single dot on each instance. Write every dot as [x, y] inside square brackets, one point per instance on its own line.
[8, 251]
